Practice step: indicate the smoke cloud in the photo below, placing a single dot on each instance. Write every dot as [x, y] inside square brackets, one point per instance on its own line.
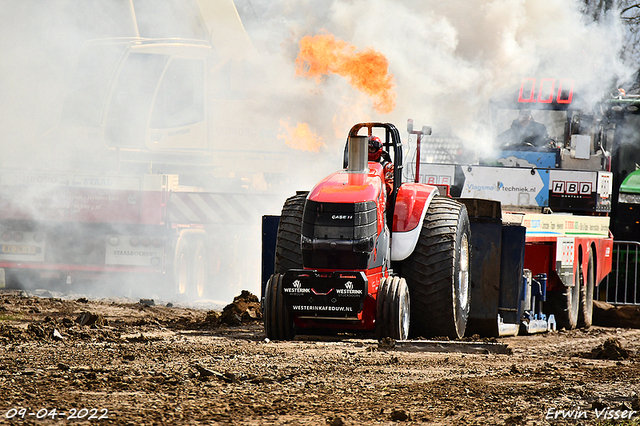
[447, 58]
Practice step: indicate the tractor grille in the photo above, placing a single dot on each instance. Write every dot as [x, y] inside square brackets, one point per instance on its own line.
[338, 235]
[339, 220]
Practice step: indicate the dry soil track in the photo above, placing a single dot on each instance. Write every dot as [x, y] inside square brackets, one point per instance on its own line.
[137, 364]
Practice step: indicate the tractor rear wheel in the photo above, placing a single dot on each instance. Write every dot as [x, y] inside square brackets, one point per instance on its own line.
[288, 251]
[278, 323]
[437, 272]
[393, 309]
[586, 295]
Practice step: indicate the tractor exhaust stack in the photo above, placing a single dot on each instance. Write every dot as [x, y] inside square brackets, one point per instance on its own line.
[358, 154]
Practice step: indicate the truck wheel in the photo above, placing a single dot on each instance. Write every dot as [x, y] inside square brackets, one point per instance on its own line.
[182, 268]
[586, 295]
[200, 271]
[437, 272]
[565, 304]
[288, 250]
[278, 323]
[393, 309]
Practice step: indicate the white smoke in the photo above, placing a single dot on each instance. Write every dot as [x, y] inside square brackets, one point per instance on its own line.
[448, 58]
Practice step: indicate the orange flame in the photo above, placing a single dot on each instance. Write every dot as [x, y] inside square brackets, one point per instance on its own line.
[300, 137]
[366, 71]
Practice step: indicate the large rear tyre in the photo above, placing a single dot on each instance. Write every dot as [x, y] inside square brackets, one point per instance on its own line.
[393, 309]
[288, 251]
[278, 323]
[585, 317]
[437, 272]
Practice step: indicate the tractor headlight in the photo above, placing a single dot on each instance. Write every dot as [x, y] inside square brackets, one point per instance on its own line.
[629, 198]
[364, 245]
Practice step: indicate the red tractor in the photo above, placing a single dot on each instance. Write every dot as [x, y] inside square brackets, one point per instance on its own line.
[349, 256]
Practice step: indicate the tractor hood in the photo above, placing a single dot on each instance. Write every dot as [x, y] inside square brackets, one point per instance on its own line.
[349, 187]
[342, 220]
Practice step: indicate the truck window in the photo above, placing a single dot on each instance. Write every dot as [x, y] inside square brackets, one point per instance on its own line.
[130, 106]
[89, 86]
[180, 99]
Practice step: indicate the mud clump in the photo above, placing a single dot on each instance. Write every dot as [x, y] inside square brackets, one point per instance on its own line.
[89, 319]
[399, 416]
[212, 318]
[386, 344]
[244, 308]
[33, 332]
[609, 349]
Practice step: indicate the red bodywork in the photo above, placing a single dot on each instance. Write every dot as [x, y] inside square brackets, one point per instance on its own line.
[540, 257]
[411, 202]
[85, 205]
[346, 187]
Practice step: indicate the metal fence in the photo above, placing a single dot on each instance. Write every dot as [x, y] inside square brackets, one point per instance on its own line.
[620, 287]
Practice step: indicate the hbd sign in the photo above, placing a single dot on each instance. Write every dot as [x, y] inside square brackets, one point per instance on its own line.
[571, 188]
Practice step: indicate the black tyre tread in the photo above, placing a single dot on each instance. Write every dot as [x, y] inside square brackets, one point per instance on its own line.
[288, 252]
[380, 304]
[278, 324]
[388, 322]
[585, 316]
[389, 309]
[430, 269]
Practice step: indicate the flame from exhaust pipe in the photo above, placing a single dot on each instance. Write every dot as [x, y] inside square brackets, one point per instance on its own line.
[366, 71]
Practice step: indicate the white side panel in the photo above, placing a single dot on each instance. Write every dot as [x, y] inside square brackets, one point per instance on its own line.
[403, 243]
[509, 185]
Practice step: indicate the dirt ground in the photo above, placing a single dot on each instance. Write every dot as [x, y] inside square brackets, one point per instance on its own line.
[141, 363]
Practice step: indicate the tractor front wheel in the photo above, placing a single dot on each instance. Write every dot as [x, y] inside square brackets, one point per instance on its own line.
[278, 322]
[393, 309]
